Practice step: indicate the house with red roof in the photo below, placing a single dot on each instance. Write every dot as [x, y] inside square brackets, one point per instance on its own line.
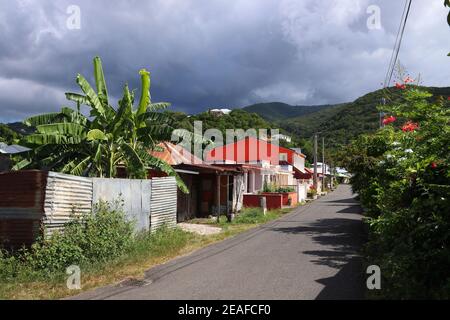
[263, 163]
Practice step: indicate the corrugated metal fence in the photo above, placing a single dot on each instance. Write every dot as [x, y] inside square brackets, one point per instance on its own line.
[163, 202]
[66, 196]
[135, 195]
[30, 199]
[22, 196]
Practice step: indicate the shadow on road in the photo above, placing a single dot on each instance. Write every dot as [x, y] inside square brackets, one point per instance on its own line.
[346, 201]
[351, 209]
[342, 239]
[348, 283]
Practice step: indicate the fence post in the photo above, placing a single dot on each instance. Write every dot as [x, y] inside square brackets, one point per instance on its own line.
[263, 204]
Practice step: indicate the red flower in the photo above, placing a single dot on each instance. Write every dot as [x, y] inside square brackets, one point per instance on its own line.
[448, 98]
[433, 165]
[410, 126]
[388, 120]
[408, 80]
[400, 85]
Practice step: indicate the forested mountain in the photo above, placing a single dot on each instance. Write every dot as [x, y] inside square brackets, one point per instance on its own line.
[340, 123]
[273, 111]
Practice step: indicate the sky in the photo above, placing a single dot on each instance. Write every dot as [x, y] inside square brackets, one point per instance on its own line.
[214, 53]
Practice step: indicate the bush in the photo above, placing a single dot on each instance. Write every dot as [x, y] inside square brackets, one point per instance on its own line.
[285, 189]
[97, 237]
[254, 215]
[272, 187]
[402, 178]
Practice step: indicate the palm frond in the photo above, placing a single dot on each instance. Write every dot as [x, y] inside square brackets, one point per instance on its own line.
[21, 165]
[156, 163]
[94, 101]
[96, 134]
[49, 139]
[158, 106]
[42, 119]
[100, 81]
[78, 98]
[145, 92]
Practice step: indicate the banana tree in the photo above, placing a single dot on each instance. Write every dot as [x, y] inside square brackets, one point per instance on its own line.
[110, 138]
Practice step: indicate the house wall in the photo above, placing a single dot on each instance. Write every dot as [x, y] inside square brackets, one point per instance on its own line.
[258, 181]
[273, 201]
[301, 190]
[188, 204]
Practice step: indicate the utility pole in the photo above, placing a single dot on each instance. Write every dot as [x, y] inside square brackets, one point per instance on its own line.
[382, 114]
[323, 163]
[315, 162]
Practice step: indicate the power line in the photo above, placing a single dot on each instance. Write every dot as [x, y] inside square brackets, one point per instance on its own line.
[398, 42]
[391, 62]
[395, 52]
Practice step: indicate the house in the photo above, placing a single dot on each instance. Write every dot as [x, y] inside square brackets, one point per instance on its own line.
[219, 112]
[211, 187]
[280, 136]
[343, 175]
[262, 163]
[6, 151]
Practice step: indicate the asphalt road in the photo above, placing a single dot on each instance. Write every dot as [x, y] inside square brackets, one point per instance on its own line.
[311, 253]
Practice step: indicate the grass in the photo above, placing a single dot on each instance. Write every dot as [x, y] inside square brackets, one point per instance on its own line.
[146, 251]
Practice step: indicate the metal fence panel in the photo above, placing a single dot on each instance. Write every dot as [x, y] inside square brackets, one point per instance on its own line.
[133, 193]
[66, 196]
[163, 202]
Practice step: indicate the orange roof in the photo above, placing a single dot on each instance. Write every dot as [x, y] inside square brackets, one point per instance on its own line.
[175, 154]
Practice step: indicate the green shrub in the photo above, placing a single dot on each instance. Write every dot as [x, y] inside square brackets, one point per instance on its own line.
[401, 174]
[100, 236]
[254, 215]
[272, 187]
[284, 189]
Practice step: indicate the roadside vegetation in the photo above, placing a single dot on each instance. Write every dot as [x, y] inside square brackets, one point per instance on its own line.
[105, 248]
[248, 217]
[401, 174]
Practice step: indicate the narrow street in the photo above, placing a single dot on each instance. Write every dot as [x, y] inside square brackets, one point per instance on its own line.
[311, 253]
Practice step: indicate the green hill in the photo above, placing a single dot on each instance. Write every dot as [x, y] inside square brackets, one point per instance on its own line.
[273, 111]
[7, 135]
[340, 124]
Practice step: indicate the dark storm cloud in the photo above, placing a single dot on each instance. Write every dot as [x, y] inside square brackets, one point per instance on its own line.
[212, 53]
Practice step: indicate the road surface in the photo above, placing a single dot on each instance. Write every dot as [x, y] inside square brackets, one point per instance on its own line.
[311, 253]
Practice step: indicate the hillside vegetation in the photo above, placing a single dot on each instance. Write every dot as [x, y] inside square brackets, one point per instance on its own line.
[342, 123]
[272, 111]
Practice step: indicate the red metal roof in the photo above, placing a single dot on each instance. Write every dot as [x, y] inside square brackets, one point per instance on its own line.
[250, 150]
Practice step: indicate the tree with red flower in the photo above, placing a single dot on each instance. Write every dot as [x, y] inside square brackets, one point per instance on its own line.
[388, 120]
[410, 126]
[401, 86]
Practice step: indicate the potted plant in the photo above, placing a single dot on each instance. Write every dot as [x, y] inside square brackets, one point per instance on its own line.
[312, 193]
